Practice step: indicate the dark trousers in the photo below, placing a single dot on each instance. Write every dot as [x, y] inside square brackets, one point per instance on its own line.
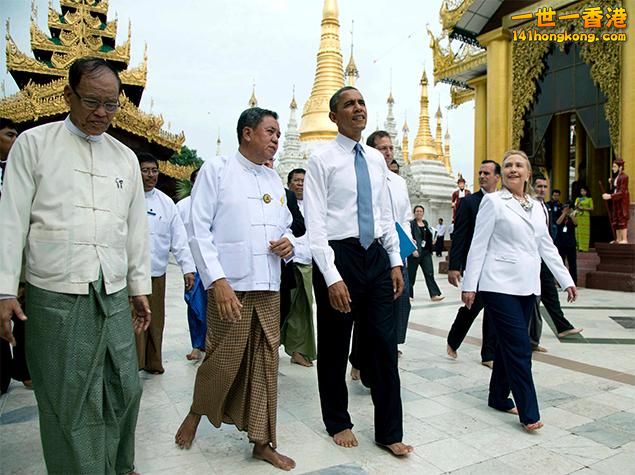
[512, 371]
[13, 363]
[462, 323]
[366, 273]
[438, 246]
[549, 298]
[425, 262]
[570, 258]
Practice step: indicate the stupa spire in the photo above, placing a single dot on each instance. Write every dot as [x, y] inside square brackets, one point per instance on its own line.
[291, 148]
[329, 77]
[390, 124]
[351, 70]
[446, 149]
[438, 136]
[253, 102]
[424, 147]
[404, 142]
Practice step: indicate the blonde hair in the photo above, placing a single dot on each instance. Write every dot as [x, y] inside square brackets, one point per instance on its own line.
[527, 189]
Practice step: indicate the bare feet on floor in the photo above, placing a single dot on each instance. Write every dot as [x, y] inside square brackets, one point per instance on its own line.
[513, 410]
[572, 331]
[300, 359]
[533, 427]
[451, 353]
[437, 298]
[398, 449]
[540, 349]
[346, 439]
[489, 364]
[268, 454]
[133, 473]
[355, 374]
[194, 355]
[186, 433]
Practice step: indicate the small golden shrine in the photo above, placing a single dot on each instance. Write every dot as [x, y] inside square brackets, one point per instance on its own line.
[82, 29]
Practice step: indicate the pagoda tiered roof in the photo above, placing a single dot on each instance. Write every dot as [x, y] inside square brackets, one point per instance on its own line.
[80, 29]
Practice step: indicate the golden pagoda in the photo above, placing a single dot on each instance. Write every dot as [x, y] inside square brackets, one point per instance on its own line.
[404, 142]
[424, 145]
[329, 77]
[82, 29]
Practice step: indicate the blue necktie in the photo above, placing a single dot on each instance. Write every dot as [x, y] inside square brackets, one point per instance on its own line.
[364, 200]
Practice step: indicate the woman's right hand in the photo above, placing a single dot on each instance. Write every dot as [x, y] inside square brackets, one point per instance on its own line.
[468, 298]
[572, 294]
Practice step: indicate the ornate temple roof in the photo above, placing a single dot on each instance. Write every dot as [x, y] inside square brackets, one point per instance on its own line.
[80, 29]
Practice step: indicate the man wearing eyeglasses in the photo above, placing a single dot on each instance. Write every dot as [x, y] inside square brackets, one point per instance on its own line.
[167, 234]
[73, 201]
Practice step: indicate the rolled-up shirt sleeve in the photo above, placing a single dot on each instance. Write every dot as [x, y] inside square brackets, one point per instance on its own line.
[389, 237]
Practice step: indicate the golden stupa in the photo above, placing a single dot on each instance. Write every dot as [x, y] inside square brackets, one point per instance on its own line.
[82, 29]
[329, 77]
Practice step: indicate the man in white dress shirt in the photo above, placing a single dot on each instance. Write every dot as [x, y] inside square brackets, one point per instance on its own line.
[167, 234]
[402, 214]
[196, 296]
[358, 274]
[240, 229]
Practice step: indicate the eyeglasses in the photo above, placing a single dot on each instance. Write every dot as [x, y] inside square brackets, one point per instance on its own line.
[93, 104]
[149, 171]
[386, 147]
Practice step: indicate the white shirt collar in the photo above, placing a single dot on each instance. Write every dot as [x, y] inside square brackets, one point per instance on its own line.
[347, 143]
[151, 193]
[73, 129]
[248, 164]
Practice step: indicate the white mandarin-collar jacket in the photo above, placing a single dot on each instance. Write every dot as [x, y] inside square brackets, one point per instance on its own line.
[167, 233]
[330, 202]
[237, 208]
[75, 204]
[507, 246]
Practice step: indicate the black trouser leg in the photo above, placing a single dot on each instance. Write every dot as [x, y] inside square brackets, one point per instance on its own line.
[413, 266]
[488, 347]
[549, 298]
[428, 272]
[463, 321]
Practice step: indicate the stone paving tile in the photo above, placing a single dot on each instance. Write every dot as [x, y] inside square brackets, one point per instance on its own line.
[589, 420]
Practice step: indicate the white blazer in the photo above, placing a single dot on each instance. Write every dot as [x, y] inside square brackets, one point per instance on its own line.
[507, 246]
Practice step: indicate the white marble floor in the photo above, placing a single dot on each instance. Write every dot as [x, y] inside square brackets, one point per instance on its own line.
[586, 393]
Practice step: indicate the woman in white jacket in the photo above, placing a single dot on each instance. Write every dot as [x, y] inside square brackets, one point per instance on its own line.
[503, 264]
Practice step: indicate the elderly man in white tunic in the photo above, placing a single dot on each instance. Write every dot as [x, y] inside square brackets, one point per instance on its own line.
[240, 229]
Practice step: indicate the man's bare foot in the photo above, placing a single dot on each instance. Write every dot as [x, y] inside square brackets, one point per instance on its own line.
[489, 364]
[186, 433]
[513, 411]
[451, 353]
[300, 359]
[533, 427]
[28, 383]
[268, 454]
[346, 439]
[437, 298]
[133, 473]
[194, 355]
[572, 331]
[398, 449]
[540, 349]
[355, 374]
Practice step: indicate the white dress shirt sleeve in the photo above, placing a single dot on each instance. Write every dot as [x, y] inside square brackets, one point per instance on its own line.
[315, 208]
[389, 237]
[483, 230]
[179, 245]
[202, 211]
[137, 244]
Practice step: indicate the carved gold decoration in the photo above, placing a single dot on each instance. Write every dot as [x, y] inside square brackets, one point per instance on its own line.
[176, 171]
[528, 64]
[452, 10]
[448, 64]
[97, 6]
[460, 95]
[35, 101]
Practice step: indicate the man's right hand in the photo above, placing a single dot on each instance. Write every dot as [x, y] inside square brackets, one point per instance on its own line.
[454, 277]
[8, 308]
[228, 305]
[339, 297]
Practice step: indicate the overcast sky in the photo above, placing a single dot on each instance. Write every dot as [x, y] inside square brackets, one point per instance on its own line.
[205, 55]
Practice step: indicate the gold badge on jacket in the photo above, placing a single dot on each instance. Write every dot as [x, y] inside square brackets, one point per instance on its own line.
[282, 200]
[266, 198]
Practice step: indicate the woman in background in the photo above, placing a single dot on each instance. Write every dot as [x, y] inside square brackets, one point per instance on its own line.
[583, 207]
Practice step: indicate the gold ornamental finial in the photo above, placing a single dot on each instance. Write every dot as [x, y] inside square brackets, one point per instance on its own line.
[253, 102]
[438, 136]
[424, 147]
[329, 77]
[351, 70]
[294, 104]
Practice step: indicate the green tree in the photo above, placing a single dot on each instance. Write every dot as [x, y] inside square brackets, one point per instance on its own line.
[186, 157]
